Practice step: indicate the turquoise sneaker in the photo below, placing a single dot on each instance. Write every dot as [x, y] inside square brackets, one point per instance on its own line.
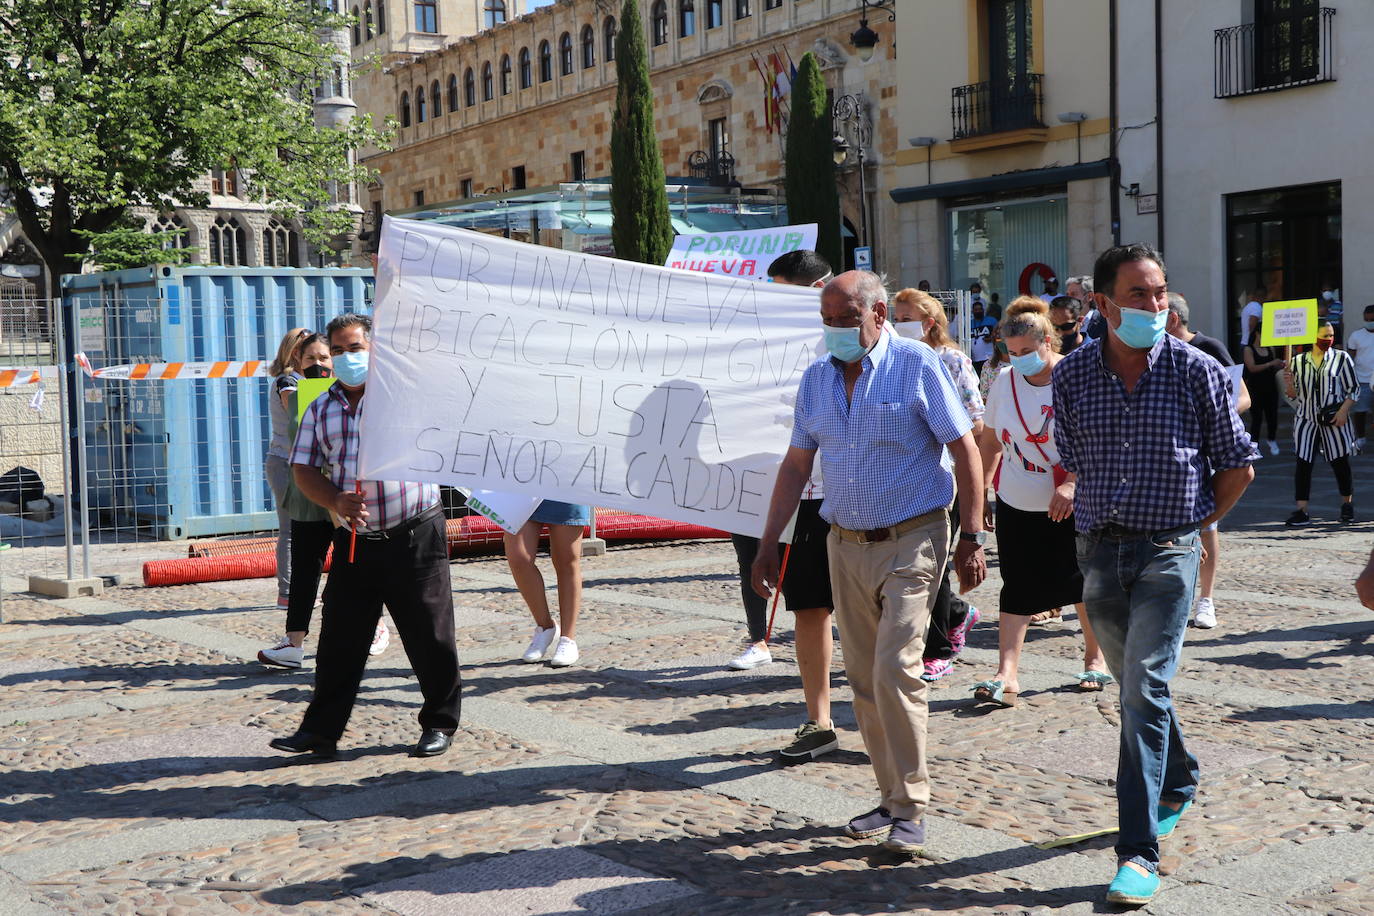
[1167, 818]
[1131, 887]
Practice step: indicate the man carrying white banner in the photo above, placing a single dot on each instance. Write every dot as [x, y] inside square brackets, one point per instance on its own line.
[881, 409]
[553, 374]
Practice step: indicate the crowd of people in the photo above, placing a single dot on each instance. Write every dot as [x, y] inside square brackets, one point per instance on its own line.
[1095, 435]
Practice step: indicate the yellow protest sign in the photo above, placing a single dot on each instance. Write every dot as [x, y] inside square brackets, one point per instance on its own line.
[308, 389]
[1293, 321]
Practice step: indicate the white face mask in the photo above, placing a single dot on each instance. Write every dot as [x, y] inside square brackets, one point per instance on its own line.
[913, 330]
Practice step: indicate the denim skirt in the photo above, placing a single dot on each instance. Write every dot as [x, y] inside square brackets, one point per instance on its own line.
[552, 512]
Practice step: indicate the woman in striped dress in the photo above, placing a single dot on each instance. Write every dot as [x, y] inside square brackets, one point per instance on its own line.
[1319, 380]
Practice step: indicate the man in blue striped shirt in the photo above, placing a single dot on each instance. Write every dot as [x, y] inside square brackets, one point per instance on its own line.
[882, 410]
[1145, 422]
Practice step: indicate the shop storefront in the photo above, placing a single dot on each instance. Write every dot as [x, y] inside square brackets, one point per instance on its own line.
[1009, 246]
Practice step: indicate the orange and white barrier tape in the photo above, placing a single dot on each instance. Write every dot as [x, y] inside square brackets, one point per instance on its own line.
[162, 372]
[11, 377]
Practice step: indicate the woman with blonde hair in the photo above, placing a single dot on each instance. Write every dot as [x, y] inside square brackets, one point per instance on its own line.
[285, 376]
[1036, 545]
[920, 316]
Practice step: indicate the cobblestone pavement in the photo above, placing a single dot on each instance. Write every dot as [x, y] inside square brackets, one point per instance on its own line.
[136, 777]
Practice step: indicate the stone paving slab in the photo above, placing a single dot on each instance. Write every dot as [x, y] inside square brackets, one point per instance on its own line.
[540, 883]
[1092, 752]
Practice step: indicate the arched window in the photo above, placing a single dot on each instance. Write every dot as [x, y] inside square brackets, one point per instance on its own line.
[469, 88]
[495, 12]
[565, 54]
[545, 62]
[608, 39]
[588, 48]
[367, 19]
[686, 18]
[381, 17]
[404, 109]
[715, 13]
[419, 104]
[487, 90]
[742, 10]
[228, 243]
[453, 92]
[525, 76]
[505, 74]
[435, 109]
[280, 247]
[357, 28]
[172, 230]
[659, 22]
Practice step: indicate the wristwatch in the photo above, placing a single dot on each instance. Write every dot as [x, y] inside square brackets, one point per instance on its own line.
[980, 537]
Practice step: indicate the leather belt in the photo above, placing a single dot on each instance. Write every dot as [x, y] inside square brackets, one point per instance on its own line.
[404, 527]
[890, 533]
[1122, 534]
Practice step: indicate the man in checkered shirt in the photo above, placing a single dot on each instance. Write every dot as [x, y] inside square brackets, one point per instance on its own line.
[400, 560]
[1145, 422]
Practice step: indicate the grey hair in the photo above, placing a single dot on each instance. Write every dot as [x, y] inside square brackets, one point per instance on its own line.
[871, 289]
[1085, 281]
[1179, 306]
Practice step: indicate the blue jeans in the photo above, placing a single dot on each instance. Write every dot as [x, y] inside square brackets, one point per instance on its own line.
[1138, 592]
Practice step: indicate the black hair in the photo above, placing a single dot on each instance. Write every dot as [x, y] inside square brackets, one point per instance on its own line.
[802, 267]
[1368, 309]
[347, 320]
[1074, 306]
[1110, 261]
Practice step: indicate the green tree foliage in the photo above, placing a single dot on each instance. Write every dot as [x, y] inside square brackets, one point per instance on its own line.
[641, 228]
[812, 195]
[132, 246]
[111, 104]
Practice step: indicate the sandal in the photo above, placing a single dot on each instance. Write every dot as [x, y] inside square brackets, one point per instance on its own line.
[1094, 681]
[1047, 617]
[993, 692]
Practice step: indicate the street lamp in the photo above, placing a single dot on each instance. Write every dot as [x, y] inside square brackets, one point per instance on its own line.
[1075, 118]
[864, 39]
[850, 116]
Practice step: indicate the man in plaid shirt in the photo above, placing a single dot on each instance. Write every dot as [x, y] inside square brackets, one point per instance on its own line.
[1145, 422]
[401, 561]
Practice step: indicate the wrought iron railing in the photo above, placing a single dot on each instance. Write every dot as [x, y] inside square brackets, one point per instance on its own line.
[1267, 56]
[717, 169]
[997, 105]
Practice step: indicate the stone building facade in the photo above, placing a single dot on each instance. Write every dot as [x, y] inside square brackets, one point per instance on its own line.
[529, 103]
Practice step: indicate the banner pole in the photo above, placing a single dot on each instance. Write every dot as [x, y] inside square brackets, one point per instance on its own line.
[777, 593]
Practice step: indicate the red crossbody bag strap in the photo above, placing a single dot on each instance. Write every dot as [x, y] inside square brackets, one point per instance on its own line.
[1057, 473]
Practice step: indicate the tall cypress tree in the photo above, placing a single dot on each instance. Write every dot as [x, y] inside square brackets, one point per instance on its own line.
[641, 228]
[812, 194]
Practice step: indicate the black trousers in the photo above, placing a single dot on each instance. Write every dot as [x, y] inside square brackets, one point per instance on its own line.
[949, 610]
[409, 574]
[309, 545]
[1302, 477]
[1264, 408]
[755, 605]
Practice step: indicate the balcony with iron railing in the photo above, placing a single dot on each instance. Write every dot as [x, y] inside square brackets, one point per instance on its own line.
[998, 113]
[716, 169]
[1265, 57]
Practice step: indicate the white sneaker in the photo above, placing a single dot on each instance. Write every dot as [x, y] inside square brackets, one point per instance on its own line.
[565, 654]
[541, 643]
[751, 657]
[1205, 615]
[1273, 446]
[380, 639]
[283, 655]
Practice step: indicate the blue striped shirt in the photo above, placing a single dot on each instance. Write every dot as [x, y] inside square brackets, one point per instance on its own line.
[1145, 460]
[881, 451]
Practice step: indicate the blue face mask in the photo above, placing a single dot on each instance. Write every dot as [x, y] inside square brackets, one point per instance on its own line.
[843, 344]
[1141, 330]
[351, 368]
[1029, 364]
[1369, 325]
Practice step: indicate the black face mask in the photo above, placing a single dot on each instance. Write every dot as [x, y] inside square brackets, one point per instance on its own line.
[319, 370]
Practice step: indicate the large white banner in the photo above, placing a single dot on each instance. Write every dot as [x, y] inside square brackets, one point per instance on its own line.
[548, 373]
[742, 253]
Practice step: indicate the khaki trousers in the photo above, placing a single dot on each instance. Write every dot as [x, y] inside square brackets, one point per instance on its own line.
[883, 595]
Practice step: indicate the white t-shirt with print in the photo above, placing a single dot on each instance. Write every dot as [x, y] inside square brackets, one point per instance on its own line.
[1026, 481]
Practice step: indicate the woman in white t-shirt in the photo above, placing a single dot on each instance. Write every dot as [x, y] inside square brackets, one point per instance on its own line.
[1036, 547]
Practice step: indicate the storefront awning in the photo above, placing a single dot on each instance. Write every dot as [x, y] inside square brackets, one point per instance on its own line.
[1010, 181]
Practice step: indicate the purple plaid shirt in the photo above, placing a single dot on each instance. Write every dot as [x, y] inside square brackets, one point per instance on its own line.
[328, 439]
[1145, 460]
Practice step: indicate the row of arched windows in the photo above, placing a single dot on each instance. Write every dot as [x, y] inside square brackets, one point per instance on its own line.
[227, 241]
[426, 105]
[687, 16]
[364, 26]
